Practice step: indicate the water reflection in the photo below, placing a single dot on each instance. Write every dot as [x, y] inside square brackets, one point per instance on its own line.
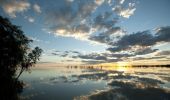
[128, 92]
[91, 83]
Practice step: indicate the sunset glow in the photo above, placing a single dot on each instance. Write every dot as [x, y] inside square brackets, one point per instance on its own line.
[85, 49]
[95, 32]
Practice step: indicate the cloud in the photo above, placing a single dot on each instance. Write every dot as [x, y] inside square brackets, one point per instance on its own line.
[70, 0]
[141, 43]
[64, 55]
[37, 8]
[125, 12]
[68, 60]
[122, 1]
[104, 20]
[163, 34]
[101, 38]
[60, 54]
[69, 53]
[92, 62]
[75, 52]
[11, 7]
[136, 39]
[93, 56]
[144, 51]
[109, 36]
[127, 46]
[105, 57]
[163, 53]
[100, 57]
[148, 58]
[68, 22]
[117, 55]
[54, 54]
[84, 20]
[99, 2]
[97, 20]
[114, 60]
[31, 19]
[57, 51]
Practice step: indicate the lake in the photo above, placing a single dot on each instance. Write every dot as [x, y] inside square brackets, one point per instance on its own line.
[113, 83]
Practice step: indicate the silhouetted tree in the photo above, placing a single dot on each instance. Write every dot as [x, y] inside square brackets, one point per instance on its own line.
[15, 56]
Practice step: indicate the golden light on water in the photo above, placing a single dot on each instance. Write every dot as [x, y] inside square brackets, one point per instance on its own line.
[120, 66]
[123, 66]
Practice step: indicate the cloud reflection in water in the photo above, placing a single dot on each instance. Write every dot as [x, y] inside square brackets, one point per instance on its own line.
[98, 84]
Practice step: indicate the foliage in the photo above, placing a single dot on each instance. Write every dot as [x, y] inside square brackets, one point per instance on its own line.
[15, 54]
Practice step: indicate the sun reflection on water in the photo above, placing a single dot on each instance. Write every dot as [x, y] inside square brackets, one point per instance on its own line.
[121, 67]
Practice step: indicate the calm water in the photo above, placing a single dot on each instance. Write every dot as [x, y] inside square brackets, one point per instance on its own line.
[119, 83]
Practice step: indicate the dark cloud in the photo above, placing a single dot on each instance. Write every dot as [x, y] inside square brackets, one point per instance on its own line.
[92, 62]
[76, 52]
[163, 53]
[92, 20]
[54, 54]
[163, 34]
[82, 28]
[113, 30]
[64, 55]
[108, 36]
[104, 21]
[101, 38]
[143, 39]
[93, 56]
[140, 38]
[74, 57]
[118, 48]
[140, 51]
[139, 43]
[114, 60]
[117, 55]
[145, 51]
[148, 58]
[68, 53]
[68, 61]
[100, 57]
[67, 20]
[85, 8]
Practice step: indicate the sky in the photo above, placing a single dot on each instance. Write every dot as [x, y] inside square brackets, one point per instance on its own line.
[75, 32]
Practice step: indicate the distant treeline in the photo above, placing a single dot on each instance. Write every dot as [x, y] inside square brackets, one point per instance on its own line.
[100, 67]
[151, 66]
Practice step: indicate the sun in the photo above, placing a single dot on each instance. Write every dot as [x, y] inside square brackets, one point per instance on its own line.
[119, 66]
[123, 66]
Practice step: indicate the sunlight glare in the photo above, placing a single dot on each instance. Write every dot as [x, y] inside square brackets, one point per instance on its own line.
[123, 66]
